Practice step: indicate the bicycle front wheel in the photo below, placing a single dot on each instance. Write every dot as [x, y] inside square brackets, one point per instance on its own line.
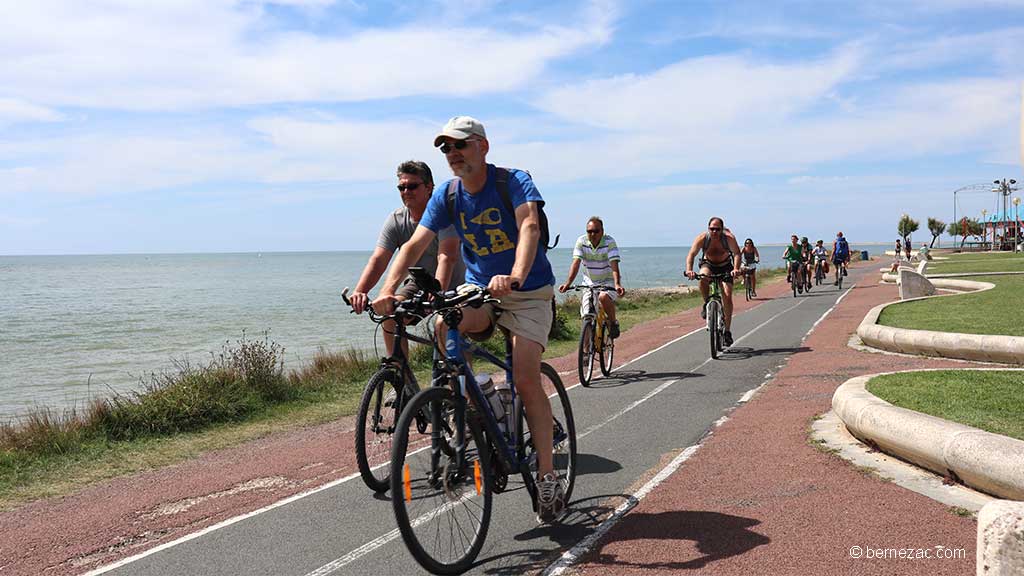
[607, 351]
[442, 506]
[585, 358]
[563, 452]
[713, 322]
[378, 414]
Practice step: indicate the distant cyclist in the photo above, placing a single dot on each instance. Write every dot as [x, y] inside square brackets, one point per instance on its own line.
[793, 256]
[808, 261]
[841, 254]
[719, 255]
[749, 259]
[600, 256]
[820, 255]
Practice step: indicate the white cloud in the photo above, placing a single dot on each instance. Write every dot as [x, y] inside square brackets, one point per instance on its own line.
[13, 111]
[701, 93]
[192, 54]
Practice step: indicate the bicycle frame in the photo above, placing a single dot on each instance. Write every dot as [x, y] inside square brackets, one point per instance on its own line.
[455, 346]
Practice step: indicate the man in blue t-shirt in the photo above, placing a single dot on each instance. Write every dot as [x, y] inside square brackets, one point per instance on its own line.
[503, 253]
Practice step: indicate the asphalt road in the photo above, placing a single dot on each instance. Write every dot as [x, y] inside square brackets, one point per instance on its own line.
[629, 427]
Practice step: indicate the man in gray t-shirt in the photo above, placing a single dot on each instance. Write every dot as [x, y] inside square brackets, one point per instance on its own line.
[442, 258]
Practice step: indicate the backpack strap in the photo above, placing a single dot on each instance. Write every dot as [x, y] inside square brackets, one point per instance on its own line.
[501, 176]
[449, 198]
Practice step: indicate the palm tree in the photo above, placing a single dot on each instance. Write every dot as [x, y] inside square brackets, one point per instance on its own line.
[936, 227]
[906, 227]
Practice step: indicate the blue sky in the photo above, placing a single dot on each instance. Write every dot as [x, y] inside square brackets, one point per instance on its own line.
[219, 125]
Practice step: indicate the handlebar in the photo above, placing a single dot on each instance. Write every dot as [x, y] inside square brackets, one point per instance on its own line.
[581, 287]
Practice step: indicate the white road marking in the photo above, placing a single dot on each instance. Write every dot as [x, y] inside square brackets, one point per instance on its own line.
[576, 552]
[380, 541]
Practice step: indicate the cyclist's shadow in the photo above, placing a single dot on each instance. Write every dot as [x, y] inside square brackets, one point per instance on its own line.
[745, 352]
[624, 377]
[715, 536]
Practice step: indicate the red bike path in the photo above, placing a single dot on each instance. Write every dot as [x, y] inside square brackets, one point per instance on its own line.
[758, 498]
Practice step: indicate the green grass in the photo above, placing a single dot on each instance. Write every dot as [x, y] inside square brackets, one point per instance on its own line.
[243, 394]
[977, 262]
[989, 400]
[996, 311]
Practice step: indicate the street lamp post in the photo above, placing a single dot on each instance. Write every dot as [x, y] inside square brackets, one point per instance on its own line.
[984, 228]
[1016, 223]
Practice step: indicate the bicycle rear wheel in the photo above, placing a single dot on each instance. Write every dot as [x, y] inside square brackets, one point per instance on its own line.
[839, 277]
[585, 358]
[564, 450]
[379, 409]
[747, 287]
[443, 510]
[607, 351]
[713, 313]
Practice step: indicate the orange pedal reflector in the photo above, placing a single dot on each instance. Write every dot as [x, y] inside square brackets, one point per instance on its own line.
[407, 483]
[478, 477]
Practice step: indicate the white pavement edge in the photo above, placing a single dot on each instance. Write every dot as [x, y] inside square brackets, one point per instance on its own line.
[989, 462]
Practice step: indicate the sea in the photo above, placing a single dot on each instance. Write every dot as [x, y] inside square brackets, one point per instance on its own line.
[82, 326]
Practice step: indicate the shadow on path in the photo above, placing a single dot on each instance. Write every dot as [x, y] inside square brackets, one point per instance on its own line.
[716, 536]
[623, 377]
[743, 353]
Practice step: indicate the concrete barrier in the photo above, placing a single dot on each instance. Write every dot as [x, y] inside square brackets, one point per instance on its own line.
[1001, 539]
[988, 462]
[977, 347]
[914, 284]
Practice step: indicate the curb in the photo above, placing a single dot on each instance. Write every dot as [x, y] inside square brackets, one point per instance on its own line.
[1001, 539]
[982, 460]
[977, 347]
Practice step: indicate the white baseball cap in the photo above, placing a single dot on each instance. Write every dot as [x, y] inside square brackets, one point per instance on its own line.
[460, 128]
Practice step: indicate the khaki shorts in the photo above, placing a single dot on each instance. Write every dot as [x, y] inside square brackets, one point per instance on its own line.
[526, 314]
[585, 307]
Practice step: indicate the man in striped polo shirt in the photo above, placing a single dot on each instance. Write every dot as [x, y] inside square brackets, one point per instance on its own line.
[600, 256]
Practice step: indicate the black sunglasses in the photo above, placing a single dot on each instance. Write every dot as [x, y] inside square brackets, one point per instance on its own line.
[458, 145]
[593, 231]
[409, 187]
[714, 229]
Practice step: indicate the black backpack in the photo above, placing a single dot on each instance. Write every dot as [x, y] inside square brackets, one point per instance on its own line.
[501, 181]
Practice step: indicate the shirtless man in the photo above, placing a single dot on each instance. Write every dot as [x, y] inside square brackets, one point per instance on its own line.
[720, 255]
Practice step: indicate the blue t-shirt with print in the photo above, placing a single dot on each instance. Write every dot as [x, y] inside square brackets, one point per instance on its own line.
[488, 232]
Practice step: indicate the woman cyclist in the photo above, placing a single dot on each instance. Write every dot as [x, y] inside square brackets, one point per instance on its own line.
[808, 260]
[749, 258]
[820, 254]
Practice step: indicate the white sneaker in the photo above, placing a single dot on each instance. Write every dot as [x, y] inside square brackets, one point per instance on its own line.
[550, 499]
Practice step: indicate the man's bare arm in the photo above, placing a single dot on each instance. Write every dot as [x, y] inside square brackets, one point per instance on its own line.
[697, 243]
[528, 221]
[447, 254]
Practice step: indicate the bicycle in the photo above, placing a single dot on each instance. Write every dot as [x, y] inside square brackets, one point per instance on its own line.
[748, 274]
[386, 393]
[595, 337]
[819, 271]
[715, 312]
[839, 274]
[443, 478]
[796, 274]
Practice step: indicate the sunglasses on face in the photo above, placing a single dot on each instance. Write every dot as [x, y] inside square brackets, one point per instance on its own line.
[456, 145]
[593, 231]
[714, 229]
[410, 187]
